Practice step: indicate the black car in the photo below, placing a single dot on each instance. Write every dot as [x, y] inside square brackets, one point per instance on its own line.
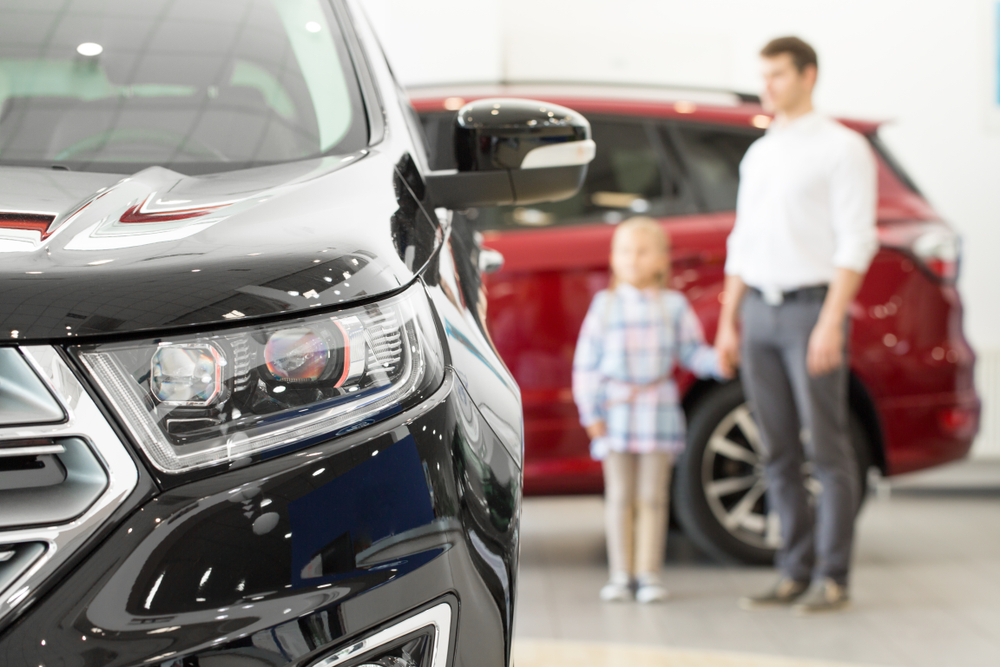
[249, 411]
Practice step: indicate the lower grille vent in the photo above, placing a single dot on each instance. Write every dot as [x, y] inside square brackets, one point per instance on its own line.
[30, 464]
[47, 481]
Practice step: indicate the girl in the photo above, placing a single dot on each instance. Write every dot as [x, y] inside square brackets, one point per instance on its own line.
[632, 337]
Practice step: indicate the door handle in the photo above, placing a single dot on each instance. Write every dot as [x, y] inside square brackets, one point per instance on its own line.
[490, 261]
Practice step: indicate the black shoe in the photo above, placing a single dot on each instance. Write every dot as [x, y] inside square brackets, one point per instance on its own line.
[825, 595]
[784, 593]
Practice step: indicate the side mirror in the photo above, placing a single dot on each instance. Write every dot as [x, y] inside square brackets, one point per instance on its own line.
[513, 151]
[490, 261]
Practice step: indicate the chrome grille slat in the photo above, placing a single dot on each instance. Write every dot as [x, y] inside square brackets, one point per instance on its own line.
[10, 452]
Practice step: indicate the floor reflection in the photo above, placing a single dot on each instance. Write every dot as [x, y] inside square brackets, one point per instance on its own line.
[535, 653]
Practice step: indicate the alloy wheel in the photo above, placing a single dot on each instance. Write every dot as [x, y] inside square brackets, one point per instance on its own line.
[734, 483]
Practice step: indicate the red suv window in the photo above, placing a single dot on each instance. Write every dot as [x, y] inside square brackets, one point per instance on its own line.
[712, 158]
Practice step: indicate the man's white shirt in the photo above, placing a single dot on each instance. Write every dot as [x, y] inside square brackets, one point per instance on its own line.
[805, 207]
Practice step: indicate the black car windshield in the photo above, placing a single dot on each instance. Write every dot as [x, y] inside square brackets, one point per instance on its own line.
[193, 85]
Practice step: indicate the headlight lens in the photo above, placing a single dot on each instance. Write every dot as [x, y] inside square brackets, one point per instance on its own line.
[193, 401]
[186, 374]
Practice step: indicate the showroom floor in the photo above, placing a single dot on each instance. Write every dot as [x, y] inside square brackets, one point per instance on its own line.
[926, 590]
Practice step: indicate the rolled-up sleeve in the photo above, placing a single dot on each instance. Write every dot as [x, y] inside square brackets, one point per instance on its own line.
[587, 378]
[734, 251]
[853, 201]
[735, 244]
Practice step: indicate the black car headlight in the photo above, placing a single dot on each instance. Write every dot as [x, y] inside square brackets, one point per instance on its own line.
[196, 400]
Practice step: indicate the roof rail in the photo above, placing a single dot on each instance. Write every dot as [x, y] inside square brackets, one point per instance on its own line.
[748, 98]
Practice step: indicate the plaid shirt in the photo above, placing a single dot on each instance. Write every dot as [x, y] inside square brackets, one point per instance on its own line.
[630, 343]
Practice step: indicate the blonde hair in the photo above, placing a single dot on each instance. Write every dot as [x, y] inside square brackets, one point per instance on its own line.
[655, 233]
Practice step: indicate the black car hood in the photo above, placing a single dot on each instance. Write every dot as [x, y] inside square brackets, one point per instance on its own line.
[159, 250]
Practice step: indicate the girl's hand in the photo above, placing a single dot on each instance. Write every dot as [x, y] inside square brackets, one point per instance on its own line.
[597, 430]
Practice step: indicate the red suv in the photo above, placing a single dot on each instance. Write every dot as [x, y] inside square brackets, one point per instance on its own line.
[674, 155]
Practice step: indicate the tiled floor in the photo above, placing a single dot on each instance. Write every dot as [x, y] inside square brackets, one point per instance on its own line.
[926, 588]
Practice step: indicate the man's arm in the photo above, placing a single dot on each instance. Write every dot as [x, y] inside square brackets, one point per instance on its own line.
[727, 336]
[853, 199]
[826, 343]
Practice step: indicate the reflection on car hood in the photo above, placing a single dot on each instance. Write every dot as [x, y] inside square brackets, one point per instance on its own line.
[84, 254]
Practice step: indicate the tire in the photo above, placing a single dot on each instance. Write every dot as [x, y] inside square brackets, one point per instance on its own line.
[718, 495]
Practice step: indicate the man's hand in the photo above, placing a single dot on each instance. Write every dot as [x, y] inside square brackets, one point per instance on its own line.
[597, 430]
[826, 347]
[727, 347]
[727, 336]
[826, 343]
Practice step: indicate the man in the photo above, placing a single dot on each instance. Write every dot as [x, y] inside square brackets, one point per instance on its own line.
[803, 240]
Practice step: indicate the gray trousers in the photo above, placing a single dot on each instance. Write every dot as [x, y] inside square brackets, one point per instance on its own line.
[801, 418]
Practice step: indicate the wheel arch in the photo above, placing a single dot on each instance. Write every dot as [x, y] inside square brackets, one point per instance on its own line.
[863, 406]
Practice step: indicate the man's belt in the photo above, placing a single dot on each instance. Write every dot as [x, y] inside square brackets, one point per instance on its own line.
[776, 297]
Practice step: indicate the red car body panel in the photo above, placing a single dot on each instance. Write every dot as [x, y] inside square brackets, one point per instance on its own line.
[909, 356]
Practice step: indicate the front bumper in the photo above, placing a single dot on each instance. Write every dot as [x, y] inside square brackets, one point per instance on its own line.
[296, 559]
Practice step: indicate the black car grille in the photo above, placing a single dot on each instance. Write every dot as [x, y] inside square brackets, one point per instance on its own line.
[62, 470]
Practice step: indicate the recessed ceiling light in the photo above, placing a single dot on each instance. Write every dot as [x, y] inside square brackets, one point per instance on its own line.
[313, 26]
[90, 49]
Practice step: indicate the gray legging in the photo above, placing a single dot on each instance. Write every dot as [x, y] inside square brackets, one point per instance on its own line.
[801, 418]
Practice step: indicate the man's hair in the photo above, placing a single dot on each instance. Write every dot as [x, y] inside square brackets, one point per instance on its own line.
[802, 54]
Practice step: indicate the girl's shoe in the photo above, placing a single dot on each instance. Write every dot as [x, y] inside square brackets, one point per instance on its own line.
[650, 590]
[618, 589]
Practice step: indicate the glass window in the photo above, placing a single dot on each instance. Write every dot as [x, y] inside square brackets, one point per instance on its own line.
[118, 85]
[712, 156]
[630, 175]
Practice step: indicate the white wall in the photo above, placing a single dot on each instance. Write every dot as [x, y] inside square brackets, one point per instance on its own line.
[432, 41]
[928, 66]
